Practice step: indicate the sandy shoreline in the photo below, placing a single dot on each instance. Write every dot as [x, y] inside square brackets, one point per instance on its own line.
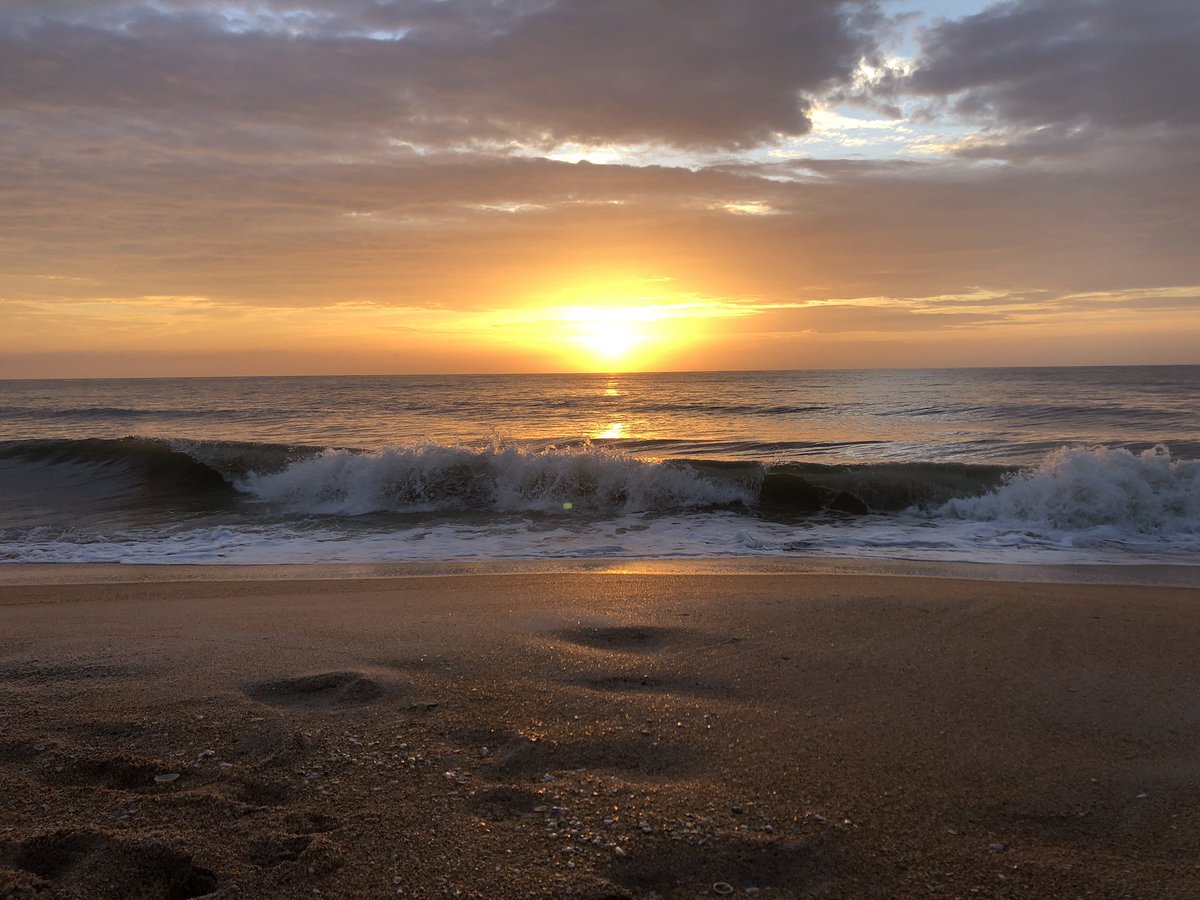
[1148, 574]
[596, 734]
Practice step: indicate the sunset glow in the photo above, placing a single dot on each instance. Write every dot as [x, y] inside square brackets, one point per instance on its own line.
[887, 186]
[610, 334]
[625, 337]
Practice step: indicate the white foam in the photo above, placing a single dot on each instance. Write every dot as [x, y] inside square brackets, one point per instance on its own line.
[429, 477]
[701, 535]
[1100, 493]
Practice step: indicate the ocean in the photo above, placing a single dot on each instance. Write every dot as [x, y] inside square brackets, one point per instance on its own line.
[1045, 465]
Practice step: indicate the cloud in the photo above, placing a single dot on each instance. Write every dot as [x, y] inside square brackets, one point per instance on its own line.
[1053, 77]
[682, 72]
[400, 164]
[474, 231]
[1116, 63]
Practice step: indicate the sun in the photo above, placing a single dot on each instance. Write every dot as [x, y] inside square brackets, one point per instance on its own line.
[610, 335]
[609, 323]
[624, 334]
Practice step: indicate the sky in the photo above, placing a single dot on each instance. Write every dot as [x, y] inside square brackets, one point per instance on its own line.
[194, 187]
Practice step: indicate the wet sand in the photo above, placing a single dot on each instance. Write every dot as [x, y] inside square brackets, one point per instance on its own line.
[595, 734]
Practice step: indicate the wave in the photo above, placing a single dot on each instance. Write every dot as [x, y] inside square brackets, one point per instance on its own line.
[1096, 494]
[1076, 489]
[116, 412]
[150, 461]
[592, 478]
[713, 409]
[498, 479]
[742, 450]
[101, 483]
[875, 488]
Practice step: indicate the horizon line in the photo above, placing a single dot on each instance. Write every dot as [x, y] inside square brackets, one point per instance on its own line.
[600, 374]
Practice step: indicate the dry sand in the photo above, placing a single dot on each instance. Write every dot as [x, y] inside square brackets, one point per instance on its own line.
[592, 734]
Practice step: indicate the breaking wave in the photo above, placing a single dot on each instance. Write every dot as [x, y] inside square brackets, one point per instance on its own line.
[1076, 489]
[122, 499]
[500, 479]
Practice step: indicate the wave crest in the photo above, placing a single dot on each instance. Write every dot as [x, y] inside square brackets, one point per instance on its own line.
[1076, 489]
[499, 479]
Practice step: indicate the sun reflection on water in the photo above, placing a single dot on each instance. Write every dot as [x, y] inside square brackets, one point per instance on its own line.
[613, 431]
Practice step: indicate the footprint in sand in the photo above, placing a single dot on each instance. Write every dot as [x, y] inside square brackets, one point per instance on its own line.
[266, 853]
[82, 863]
[272, 746]
[623, 638]
[57, 766]
[261, 792]
[311, 822]
[121, 772]
[327, 690]
[23, 753]
[502, 803]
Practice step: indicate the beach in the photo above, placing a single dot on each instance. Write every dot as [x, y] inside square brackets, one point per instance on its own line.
[602, 450]
[744, 728]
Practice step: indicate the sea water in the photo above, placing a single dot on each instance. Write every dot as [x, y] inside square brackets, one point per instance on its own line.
[1068, 465]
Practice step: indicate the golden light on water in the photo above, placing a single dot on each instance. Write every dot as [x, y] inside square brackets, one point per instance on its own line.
[612, 432]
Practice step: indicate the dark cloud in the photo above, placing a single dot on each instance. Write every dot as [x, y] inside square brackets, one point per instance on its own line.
[1054, 77]
[683, 72]
[1116, 63]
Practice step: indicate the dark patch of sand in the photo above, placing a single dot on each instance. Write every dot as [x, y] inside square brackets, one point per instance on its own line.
[327, 689]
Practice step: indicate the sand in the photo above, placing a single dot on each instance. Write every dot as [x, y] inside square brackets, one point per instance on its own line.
[299, 732]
